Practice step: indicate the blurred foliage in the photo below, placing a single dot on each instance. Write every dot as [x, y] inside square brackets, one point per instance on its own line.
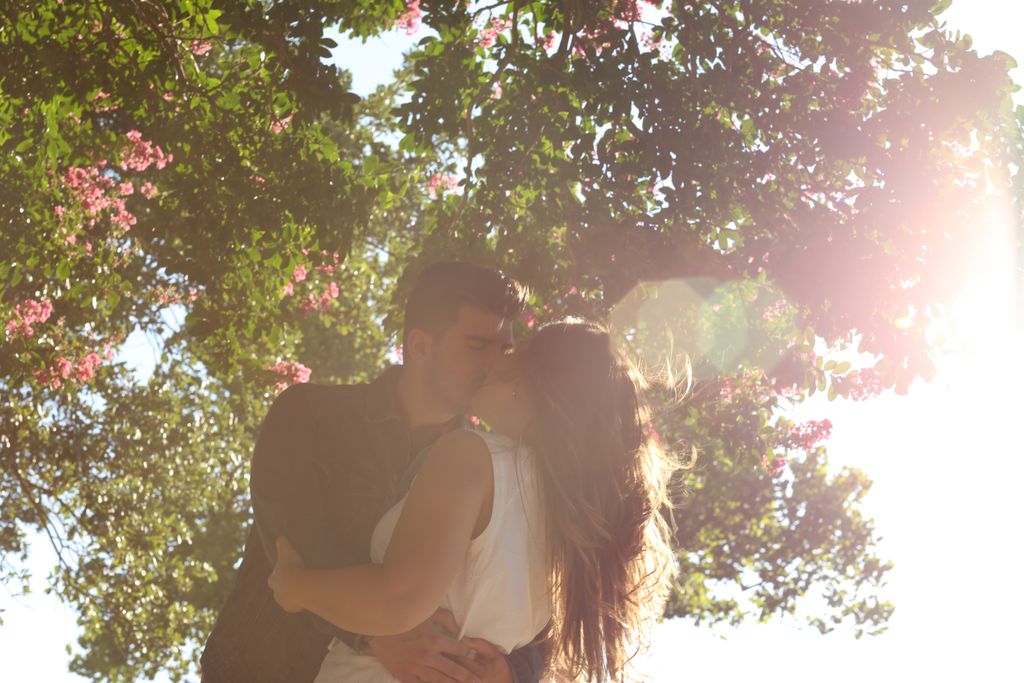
[726, 181]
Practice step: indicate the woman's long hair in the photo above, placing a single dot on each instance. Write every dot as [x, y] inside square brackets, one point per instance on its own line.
[603, 480]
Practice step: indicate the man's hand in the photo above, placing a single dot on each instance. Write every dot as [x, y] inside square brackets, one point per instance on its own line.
[488, 663]
[429, 653]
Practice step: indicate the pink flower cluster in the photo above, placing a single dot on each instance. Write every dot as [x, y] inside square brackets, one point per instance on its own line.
[863, 385]
[278, 125]
[166, 296]
[331, 263]
[651, 433]
[100, 104]
[439, 183]
[775, 311]
[649, 42]
[410, 19]
[199, 47]
[732, 386]
[809, 434]
[95, 192]
[26, 314]
[63, 369]
[329, 268]
[489, 33]
[290, 373]
[321, 303]
[140, 154]
[775, 467]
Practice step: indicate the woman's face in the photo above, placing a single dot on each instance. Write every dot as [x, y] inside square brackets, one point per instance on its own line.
[500, 401]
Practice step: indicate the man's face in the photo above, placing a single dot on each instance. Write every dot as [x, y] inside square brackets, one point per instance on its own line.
[462, 356]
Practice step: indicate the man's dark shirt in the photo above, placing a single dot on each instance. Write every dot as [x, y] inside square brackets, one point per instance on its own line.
[329, 461]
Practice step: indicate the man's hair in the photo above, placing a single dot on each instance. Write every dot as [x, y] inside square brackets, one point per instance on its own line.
[446, 286]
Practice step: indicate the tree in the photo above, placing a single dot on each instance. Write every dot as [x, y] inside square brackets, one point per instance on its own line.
[731, 179]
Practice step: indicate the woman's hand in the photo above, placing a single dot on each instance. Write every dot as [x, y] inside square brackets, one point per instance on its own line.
[285, 578]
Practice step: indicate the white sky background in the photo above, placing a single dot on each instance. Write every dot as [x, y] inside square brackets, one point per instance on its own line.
[946, 462]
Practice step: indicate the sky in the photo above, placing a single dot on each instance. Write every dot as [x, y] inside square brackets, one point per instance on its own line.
[945, 460]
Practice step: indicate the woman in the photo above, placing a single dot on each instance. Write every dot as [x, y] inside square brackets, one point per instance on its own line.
[552, 517]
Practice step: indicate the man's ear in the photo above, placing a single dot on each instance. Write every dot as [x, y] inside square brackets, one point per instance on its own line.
[418, 345]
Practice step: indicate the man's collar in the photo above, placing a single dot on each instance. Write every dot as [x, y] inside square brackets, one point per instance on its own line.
[382, 396]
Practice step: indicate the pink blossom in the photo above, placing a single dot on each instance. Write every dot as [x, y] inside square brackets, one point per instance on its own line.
[87, 367]
[47, 378]
[410, 20]
[26, 314]
[299, 274]
[329, 268]
[140, 154]
[289, 290]
[775, 311]
[651, 433]
[778, 464]
[278, 125]
[439, 183]
[90, 187]
[289, 373]
[809, 434]
[496, 91]
[649, 42]
[322, 303]
[148, 190]
[70, 239]
[58, 211]
[199, 47]
[123, 219]
[168, 96]
[126, 188]
[489, 33]
[548, 42]
[727, 389]
[862, 385]
[474, 420]
[63, 367]
[166, 296]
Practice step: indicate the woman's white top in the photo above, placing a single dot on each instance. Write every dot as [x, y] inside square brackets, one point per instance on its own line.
[502, 593]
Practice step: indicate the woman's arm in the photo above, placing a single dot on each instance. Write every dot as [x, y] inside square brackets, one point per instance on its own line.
[425, 554]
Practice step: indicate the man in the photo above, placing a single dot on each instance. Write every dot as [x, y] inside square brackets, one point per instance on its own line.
[330, 460]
